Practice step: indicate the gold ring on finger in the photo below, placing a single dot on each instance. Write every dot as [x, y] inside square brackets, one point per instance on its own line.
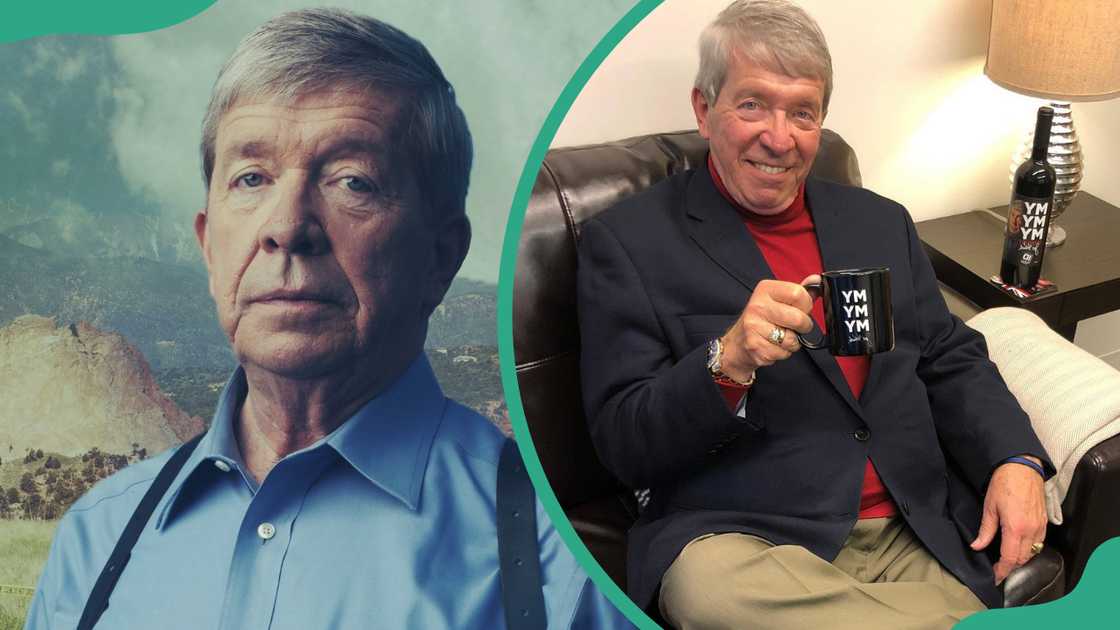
[777, 335]
[1036, 548]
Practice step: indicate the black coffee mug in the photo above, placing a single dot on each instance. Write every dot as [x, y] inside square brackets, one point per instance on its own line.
[857, 312]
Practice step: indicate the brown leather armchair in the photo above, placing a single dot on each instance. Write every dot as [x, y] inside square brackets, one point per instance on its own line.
[575, 184]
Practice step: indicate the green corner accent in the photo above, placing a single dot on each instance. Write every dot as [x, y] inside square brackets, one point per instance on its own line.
[505, 311]
[30, 18]
[1090, 603]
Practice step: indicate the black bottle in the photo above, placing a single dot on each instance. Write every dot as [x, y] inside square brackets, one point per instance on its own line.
[1028, 216]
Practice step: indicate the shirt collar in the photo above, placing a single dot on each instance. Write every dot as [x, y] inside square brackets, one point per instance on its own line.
[387, 441]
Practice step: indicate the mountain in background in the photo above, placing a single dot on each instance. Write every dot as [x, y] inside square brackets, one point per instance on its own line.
[69, 388]
[130, 235]
[471, 375]
[468, 319]
[155, 317]
[163, 308]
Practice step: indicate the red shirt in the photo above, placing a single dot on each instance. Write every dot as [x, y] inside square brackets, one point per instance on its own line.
[789, 244]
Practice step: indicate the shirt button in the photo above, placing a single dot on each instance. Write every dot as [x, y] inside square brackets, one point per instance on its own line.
[266, 531]
[221, 465]
[862, 435]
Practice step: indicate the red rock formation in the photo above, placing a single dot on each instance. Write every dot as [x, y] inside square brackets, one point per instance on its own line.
[66, 389]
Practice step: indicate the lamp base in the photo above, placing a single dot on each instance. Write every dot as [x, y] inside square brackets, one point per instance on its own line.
[1055, 237]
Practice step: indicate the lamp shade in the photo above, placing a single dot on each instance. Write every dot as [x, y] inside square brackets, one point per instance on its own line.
[1060, 49]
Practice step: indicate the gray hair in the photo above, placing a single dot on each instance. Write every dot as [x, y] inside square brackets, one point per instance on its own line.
[776, 34]
[303, 52]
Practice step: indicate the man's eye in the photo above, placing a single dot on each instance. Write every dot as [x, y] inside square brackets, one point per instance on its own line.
[358, 185]
[805, 119]
[751, 105]
[251, 180]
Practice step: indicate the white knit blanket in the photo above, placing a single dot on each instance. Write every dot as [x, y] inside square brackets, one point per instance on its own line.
[1072, 397]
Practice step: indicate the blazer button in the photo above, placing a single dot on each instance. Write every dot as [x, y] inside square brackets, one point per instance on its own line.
[862, 435]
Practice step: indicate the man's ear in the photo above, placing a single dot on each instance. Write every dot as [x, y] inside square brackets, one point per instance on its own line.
[202, 233]
[453, 240]
[203, 236]
[701, 108]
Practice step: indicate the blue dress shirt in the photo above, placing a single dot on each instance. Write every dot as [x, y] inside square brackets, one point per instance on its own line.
[388, 522]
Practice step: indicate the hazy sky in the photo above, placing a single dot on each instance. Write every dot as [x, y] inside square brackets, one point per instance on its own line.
[91, 127]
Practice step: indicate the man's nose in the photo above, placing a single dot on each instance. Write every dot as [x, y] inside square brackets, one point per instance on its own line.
[293, 224]
[778, 137]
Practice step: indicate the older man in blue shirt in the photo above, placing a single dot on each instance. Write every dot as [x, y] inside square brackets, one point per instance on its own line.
[337, 487]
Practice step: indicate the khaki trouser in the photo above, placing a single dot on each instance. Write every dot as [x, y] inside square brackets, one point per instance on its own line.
[883, 578]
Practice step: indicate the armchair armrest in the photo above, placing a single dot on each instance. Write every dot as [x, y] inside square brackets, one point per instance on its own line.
[1042, 579]
[1091, 511]
[1073, 400]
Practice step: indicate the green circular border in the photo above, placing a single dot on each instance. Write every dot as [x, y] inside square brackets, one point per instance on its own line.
[505, 311]
[32, 18]
[1092, 594]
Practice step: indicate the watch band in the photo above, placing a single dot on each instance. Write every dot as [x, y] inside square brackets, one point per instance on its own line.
[715, 366]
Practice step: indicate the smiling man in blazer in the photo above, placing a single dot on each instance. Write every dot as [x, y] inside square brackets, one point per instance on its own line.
[791, 488]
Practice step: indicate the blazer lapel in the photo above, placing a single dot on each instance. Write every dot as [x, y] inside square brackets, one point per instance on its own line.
[837, 248]
[717, 228]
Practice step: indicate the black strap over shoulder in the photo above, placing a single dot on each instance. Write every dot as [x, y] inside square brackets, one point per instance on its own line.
[99, 599]
[518, 551]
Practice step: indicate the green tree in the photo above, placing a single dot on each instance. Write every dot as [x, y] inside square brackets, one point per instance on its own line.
[32, 505]
[52, 510]
[27, 483]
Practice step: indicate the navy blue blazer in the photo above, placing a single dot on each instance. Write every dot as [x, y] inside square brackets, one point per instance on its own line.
[667, 270]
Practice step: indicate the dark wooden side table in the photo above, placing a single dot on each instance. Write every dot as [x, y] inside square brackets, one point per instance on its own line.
[965, 251]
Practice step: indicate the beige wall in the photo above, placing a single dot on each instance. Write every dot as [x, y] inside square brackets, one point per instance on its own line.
[930, 130]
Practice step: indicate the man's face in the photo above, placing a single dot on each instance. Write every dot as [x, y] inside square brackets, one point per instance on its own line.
[314, 238]
[763, 130]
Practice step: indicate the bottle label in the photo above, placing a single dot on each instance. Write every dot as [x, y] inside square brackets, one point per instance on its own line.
[1026, 228]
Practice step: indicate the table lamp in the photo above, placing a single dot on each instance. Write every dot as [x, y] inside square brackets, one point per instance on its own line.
[1063, 50]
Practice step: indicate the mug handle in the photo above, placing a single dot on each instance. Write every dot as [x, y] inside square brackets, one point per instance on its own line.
[815, 291]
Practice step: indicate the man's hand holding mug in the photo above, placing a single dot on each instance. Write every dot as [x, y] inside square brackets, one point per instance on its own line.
[858, 320]
[765, 331]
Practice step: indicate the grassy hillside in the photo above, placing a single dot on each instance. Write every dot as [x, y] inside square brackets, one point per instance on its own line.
[42, 486]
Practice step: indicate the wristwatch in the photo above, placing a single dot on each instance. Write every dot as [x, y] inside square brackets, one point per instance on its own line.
[715, 356]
